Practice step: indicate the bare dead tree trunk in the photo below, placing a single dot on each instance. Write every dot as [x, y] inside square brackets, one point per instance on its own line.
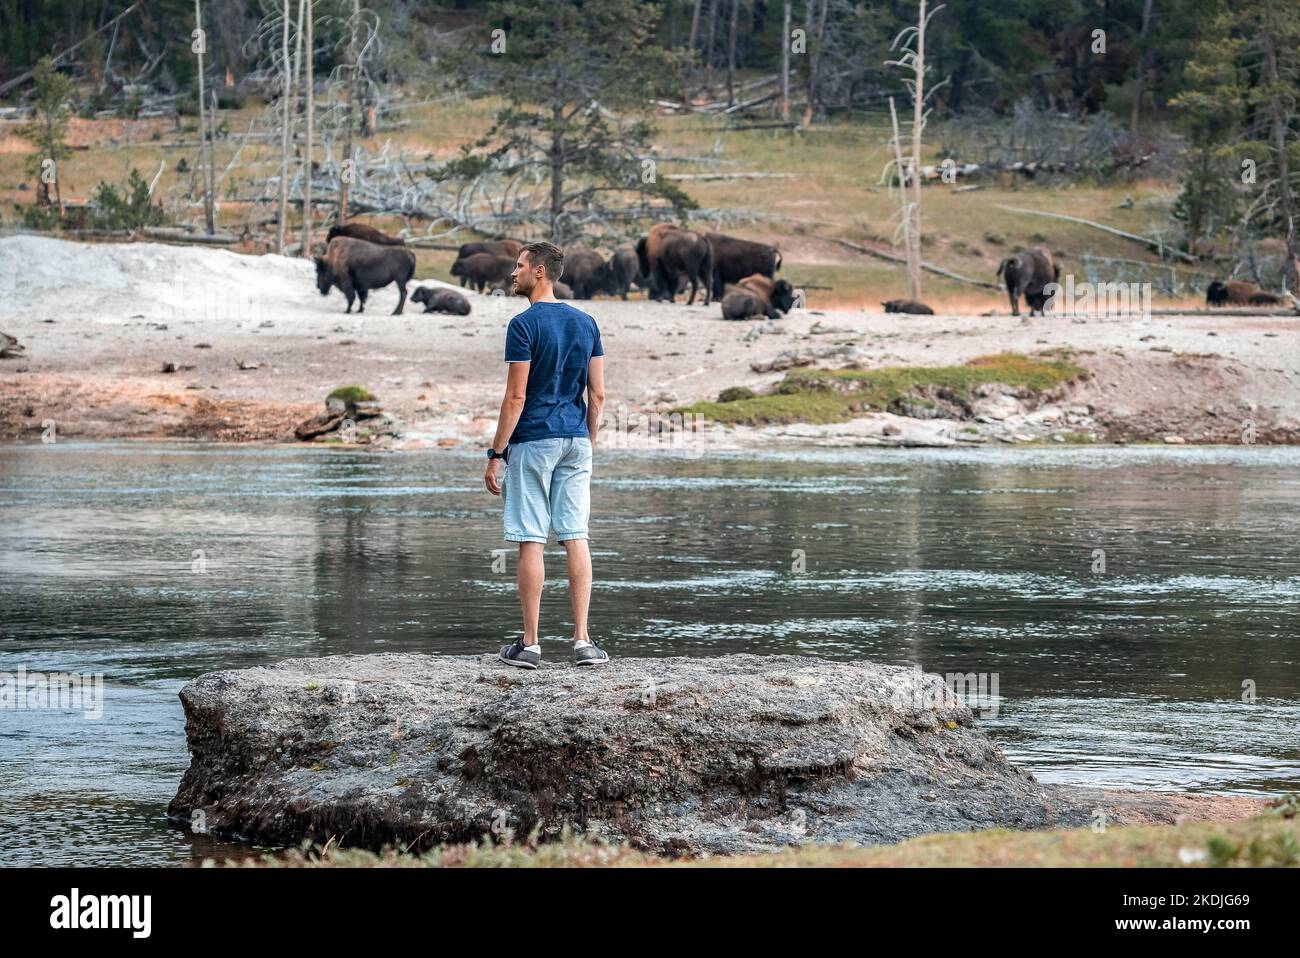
[286, 119]
[309, 92]
[731, 53]
[557, 174]
[918, 117]
[904, 210]
[713, 30]
[785, 65]
[695, 23]
[205, 148]
[1141, 68]
[814, 56]
[1280, 122]
[347, 173]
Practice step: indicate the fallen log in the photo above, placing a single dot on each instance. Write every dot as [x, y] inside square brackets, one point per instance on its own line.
[891, 258]
[729, 176]
[1155, 244]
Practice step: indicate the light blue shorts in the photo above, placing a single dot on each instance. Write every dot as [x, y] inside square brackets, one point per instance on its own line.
[547, 485]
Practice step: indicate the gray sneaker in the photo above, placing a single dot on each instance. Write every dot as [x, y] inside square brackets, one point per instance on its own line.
[524, 656]
[591, 654]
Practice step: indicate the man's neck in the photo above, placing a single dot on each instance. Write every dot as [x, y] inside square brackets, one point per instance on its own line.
[543, 292]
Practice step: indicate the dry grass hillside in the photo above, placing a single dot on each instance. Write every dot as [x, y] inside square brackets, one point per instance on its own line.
[829, 189]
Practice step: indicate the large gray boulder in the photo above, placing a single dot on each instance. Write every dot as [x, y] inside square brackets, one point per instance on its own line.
[733, 754]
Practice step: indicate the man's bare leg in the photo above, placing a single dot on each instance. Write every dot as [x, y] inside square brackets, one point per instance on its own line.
[532, 573]
[579, 584]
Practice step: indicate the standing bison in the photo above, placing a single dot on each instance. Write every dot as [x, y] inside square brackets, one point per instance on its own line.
[669, 252]
[356, 267]
[363, 232]
[1026, 274]
[734, 259]
[483, 269]
[505, 247]
[585, 272]
[758, 296]
[622, 271]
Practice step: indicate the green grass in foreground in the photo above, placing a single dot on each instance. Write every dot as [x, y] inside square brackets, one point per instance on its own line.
[1268, 840]
[834, 395]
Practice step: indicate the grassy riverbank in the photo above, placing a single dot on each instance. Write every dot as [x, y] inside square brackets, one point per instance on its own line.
[836, 395]
[1271, 839]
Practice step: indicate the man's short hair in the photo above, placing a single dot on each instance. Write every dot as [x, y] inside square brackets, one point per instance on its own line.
[548, 256]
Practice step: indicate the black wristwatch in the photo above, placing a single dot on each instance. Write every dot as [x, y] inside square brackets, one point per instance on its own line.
[493, 454]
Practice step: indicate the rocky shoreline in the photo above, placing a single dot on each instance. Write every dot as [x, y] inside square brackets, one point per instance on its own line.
[677, 756]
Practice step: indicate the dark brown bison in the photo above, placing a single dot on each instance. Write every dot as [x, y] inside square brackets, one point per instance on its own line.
[734, 259]
[484, 269]
[907, 306]
[561, 290]
[669, 252]
[1026, 274]
[585, 272]
[758, 296]
[438, 300]
[655, 292]
[356, 267]
[505, 247]
[363, 232]
[1238, 292]
[622, 271]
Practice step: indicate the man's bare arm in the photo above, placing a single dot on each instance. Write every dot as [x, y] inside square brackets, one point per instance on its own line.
[595, 395]
[512, 404]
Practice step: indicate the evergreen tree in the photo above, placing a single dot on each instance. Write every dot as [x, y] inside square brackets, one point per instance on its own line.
[566, 72]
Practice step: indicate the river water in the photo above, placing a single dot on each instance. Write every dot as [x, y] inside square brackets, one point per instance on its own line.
[1138, 608]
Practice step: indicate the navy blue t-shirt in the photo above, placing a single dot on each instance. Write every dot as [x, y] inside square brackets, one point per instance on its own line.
[558, 340]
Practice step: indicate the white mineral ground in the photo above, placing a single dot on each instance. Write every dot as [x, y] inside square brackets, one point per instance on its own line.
[99, 321]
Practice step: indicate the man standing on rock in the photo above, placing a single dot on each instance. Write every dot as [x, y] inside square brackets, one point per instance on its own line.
[555, 391]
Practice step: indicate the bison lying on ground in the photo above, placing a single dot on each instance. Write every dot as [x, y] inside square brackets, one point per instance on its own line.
[484, 269]
[561, 290]
[356, 267]
[669, 252]
[1026, 274]
[363, 232]
[734, 259]
[758, 296]
[1238, 292]
[438, 300]
[907, 306]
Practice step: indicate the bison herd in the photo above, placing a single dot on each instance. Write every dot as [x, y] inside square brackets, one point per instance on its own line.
[665, 262]
[669, 260]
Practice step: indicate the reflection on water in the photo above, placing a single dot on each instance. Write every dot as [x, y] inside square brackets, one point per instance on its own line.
[153, 564]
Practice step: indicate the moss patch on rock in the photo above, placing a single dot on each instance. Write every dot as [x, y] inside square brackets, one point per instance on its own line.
[835, 395]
